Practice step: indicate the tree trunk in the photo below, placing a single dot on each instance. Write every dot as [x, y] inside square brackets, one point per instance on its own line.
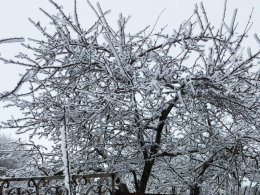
[195, 190]
[145, 177]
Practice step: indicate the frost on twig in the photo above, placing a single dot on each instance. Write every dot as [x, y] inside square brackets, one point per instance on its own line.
[12, 40]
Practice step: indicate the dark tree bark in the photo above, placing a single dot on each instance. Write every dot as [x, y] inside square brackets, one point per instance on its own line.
[195, 190]
[145, 177]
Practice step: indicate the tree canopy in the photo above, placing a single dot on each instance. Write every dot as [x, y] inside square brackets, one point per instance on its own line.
[159, 109]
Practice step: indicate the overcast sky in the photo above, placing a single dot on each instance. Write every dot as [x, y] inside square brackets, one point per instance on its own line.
[14, 23]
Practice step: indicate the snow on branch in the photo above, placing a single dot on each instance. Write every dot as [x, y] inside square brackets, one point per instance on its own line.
[12, 40]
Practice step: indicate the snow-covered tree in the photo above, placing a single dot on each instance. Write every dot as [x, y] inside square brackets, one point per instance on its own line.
[14, 154]
[160, 110]
[7, 155]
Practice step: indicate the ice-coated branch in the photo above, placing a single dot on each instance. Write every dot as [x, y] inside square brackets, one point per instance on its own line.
[12, 40]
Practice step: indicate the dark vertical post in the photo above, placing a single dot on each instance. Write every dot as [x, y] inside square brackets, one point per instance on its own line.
[113, 184]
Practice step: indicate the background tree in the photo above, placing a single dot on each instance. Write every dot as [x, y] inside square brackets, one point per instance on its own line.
[18, 158]
[159, 109]
[7, 155]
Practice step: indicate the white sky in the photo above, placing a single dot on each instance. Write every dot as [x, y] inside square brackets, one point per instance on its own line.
[14, 23]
